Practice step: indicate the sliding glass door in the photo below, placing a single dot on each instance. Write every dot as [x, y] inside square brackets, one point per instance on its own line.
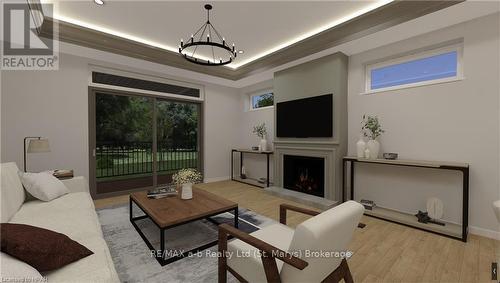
[177, 137]
[138, 142]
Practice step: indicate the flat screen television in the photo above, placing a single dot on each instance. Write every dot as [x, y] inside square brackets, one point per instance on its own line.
[305, 118]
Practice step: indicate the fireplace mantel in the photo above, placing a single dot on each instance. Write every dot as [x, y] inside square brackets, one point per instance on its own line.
[278, 142]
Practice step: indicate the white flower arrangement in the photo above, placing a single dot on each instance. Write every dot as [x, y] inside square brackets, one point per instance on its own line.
[185, 176]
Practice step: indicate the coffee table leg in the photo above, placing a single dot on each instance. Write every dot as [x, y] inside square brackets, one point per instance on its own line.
[236, 217]
[130, 208]
[162, 244]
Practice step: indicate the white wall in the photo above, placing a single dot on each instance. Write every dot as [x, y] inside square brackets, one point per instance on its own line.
[255, 165]
[54, 104]
[222, 130]
[456, 121]
[51, 104]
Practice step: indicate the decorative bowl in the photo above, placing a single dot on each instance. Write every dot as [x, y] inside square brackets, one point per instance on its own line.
[390, 155]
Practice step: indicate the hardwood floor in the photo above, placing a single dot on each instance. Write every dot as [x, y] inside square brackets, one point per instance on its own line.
[383, 251]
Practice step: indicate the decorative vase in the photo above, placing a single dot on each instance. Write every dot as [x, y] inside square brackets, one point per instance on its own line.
[187, 191]
[366, 154]
[360, 147]
[243, 172]
[374, 148]
[263, 145]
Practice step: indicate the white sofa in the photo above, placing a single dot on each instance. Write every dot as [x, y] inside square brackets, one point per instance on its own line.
[72, 214]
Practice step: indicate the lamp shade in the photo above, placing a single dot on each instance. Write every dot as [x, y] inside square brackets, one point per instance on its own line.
[38, 145]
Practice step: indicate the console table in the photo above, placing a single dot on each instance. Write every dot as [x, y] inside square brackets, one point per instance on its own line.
[450, 229]
[250, 181]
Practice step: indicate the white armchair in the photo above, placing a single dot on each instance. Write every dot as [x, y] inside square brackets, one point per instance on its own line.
[252, 257]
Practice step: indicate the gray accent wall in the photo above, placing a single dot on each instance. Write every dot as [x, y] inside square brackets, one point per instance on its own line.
[318, 77]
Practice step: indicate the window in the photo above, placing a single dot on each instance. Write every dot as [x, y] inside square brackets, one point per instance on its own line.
[439, 65]
[262, 100]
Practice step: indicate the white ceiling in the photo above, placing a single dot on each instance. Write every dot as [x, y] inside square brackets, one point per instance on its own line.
[257, 27]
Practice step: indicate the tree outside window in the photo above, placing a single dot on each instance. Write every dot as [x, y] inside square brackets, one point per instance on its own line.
[262, 100]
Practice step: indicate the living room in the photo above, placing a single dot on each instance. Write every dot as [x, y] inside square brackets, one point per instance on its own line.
[365, 130]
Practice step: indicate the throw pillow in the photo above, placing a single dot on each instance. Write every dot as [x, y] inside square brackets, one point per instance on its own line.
[43, 249]
[43, 186]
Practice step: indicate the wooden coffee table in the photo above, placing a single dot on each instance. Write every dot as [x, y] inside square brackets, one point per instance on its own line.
[170, 212]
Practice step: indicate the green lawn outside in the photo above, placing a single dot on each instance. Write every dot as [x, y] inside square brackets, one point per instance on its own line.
[137, 162]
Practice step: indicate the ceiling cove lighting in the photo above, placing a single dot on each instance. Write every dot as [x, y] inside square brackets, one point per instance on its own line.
[233, 65]
[371, 7]
[99, 2]
[208, 39]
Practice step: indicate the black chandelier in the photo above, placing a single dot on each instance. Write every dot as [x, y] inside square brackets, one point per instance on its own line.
[207, 37]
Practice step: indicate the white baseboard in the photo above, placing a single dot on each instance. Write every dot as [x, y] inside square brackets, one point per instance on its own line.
[216, 179]
[484, 232]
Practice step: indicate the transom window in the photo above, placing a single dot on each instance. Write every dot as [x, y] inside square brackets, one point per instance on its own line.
[262, 100]
[429, 67]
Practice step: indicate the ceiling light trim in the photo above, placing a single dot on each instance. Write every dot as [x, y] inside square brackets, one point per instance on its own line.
[118, 34]
[233, 65]
[316, 31]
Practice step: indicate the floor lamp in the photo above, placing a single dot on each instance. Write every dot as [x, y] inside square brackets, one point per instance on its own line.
[36, 145]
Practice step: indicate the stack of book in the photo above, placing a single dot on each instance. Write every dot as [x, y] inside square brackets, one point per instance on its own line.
[61, 173]
[162, 192]
[368, 204]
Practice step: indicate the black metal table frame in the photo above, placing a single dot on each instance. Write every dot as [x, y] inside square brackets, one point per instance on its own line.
[465, 191]
[267, 153]
[161, 260]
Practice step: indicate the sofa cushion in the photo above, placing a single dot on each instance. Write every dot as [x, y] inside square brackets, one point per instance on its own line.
[17, 271]
[73, 215]
[41, 248]
[245, 258]
[12, 191]
[43, 186]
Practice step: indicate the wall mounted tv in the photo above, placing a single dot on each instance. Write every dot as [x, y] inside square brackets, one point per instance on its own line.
[305, 118]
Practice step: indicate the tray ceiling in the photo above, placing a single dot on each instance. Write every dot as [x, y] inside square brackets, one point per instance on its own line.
[262, 29]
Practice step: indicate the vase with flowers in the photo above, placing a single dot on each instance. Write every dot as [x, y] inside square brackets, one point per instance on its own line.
[372, 130]
[261, 131]
[186, 178]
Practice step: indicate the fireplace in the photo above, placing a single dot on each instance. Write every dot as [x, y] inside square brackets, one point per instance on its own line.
[304, 174]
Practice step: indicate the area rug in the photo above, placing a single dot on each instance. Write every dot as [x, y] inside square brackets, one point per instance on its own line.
[132, 257]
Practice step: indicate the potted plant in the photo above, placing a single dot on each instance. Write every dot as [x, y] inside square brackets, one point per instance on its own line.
[372, 129]
[261, 132]
[186, 178]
